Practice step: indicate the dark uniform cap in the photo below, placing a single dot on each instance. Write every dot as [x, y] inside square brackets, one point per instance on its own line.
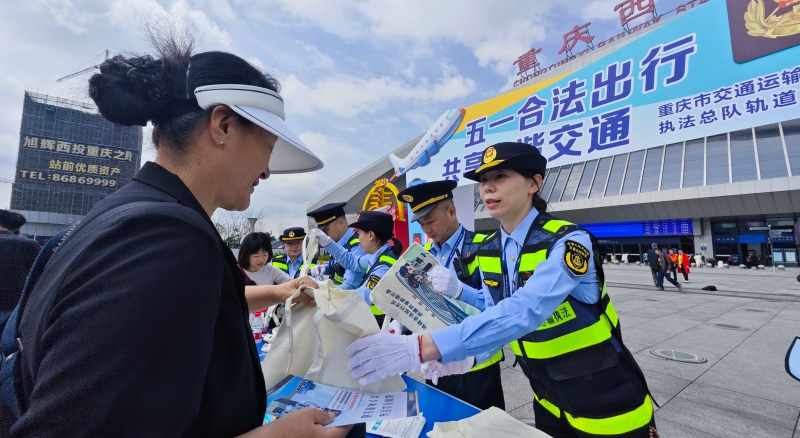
[509, 155]
[424, 197]
[327, 213]
[377, 221]
[293, 234]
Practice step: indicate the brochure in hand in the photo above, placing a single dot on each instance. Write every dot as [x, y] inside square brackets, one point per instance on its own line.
[405, 294]
[349, 406]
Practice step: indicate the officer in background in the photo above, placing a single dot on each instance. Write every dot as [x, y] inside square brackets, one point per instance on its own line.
[546, 280]
[433, 208]
[292, 262]
[331, 220]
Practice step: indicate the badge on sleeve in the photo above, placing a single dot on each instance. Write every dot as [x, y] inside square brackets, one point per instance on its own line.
[576, 257]
[373, 281]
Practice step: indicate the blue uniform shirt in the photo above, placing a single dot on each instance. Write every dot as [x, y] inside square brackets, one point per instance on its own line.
[443, 254]
[294, 266]
[528, 306]
[361, 263]
[352, 278]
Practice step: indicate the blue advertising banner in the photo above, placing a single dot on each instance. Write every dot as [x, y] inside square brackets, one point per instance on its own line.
[675, 83]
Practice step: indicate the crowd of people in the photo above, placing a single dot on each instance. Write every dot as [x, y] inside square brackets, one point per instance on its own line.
[135, 321]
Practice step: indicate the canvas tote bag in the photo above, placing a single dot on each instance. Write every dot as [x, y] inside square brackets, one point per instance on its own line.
[311, 341]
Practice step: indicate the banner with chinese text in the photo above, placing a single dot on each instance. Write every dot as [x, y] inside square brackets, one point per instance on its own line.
[678, 82]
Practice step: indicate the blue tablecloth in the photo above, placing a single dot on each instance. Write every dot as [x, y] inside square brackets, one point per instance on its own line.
[435, 405]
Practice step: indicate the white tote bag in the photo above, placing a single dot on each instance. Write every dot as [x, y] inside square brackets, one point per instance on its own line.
[311, 341]
[490, 423]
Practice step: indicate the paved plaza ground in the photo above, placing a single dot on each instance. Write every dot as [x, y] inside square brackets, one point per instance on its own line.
[743, 390]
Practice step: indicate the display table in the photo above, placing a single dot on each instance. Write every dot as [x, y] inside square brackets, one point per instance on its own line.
[435, 405]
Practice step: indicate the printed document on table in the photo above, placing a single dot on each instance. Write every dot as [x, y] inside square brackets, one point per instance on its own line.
[405, 294]
[349, 406]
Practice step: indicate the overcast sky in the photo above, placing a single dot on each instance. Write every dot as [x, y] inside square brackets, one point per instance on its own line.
[360, 78]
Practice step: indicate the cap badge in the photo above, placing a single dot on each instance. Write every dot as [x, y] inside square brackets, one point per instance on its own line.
[408, 198]
[291, 233]
[489, 155]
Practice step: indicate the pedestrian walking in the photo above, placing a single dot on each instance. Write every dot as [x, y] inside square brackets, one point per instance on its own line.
[663, 267]
[652, 260]
[683, 265]
[673, 266]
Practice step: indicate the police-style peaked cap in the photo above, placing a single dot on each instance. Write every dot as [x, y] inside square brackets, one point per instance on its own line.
[424, 197]
[377, 221]
[293, 234]
[327, 213]
[509, 155]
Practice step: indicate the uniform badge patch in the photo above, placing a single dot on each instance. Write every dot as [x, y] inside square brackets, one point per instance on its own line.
[408, 198]
[489, 155]
[491, 283]
[291, 233]
[576, 257]
[373, 281]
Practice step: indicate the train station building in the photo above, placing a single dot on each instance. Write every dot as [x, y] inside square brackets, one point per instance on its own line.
[685, 133]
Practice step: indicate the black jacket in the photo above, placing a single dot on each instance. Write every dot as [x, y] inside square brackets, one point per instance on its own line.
[652, 258]
[16, 258]
[146, 334]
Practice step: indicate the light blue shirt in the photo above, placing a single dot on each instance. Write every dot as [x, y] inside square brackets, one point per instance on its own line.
[352, 278]
[361, 263]
[469, 294]
[294, 266]
[528, 306]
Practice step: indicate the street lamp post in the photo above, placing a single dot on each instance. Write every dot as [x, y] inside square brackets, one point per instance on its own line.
[251, 221]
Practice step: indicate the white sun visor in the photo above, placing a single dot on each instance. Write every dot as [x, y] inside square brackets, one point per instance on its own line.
[265, 108]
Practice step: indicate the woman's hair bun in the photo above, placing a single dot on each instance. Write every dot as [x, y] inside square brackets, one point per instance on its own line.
[131, 91]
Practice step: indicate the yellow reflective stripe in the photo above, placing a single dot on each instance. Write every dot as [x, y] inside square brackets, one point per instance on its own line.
[472, 266]
[612, 314]
[553, 225]
[490, 264]
[616, 425]
[428, 246]
[529, 261]
[547, 405]
[492, 360]
[478, 238]
[354, 241]
[515, 348]
[375, 310]
[562, 314]
[387, 259]
[281, 266]
[585, 337]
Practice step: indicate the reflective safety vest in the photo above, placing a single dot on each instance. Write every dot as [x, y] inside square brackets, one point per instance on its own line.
[576, 362]
[281, 261]
[469, 247]
[472, 277]
[339, 270]
[387, 259]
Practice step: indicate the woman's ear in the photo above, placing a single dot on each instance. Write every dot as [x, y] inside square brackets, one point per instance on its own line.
[536, 184]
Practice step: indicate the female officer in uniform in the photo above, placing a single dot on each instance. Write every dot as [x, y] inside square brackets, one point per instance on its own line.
[375, 233]
[549, 302]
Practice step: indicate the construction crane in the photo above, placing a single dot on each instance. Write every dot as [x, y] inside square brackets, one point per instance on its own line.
[78, 73]
[6, 181]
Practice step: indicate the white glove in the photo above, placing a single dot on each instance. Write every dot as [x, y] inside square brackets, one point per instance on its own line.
[435, 369]
[322, 238]
[445, 281]
[395, 327]
[316, 271]
[381, 355]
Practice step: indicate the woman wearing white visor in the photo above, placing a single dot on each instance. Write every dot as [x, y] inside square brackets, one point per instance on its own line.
[138, 325]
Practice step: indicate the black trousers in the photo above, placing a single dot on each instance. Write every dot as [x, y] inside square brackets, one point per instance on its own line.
[654, 271]
[482, 389]
[560, 428]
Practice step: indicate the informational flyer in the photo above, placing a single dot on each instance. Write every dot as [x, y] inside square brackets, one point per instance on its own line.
[349, 406]
[410, 427]
[405, 294]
